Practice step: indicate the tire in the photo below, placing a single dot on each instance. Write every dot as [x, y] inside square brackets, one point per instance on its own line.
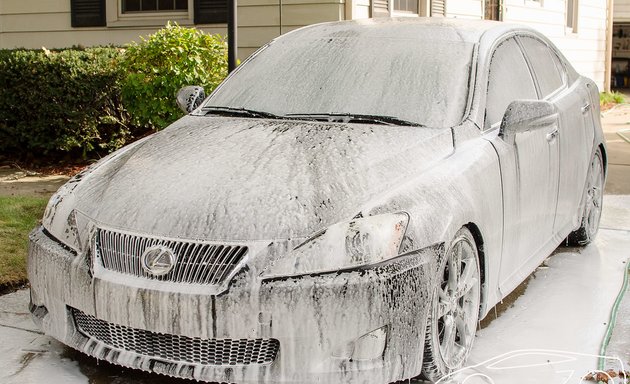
[454, 312]
[592, 206]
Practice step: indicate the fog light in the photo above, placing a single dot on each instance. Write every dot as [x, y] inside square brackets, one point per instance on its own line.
[367, 347]
[38, 311]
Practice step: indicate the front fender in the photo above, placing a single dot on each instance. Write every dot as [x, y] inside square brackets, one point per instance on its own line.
[462, 190]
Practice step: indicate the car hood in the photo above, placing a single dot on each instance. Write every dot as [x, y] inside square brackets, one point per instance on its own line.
[237, 179]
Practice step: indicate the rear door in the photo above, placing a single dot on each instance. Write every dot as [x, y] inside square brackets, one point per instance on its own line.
[573, 104]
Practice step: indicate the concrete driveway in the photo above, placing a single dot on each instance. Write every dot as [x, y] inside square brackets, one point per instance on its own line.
[616, 125]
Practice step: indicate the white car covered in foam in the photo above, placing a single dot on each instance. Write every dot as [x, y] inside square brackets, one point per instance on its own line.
[344, 207]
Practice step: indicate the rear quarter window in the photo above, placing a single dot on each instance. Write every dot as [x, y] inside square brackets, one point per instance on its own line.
[545, 64]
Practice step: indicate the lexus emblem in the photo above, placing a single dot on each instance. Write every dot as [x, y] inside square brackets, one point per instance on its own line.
[158, 260]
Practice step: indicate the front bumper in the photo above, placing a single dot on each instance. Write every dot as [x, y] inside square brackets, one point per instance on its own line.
[315, 320]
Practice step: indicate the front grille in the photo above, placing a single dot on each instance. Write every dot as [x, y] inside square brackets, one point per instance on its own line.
[196, 262]
[178, 349]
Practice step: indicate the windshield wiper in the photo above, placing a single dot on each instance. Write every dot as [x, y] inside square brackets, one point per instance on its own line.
[328, 117]
[237, 111]
[353, 118]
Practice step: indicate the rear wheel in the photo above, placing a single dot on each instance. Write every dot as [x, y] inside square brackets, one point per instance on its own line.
[455, 309]
[593, 204]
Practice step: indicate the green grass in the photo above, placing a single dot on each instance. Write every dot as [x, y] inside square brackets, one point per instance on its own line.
[611, 97]
[18, 216]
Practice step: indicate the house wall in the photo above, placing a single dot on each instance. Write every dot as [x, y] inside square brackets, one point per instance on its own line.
[360, 9]
[621, 11]
[33, 24]
[464, 9]
[585, 49]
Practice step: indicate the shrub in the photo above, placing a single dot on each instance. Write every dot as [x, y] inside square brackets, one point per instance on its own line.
[53, 102]
[611, 98]
[76, 102]
[160, 65]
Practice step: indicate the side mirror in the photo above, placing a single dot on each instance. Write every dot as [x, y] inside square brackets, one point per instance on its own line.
[190, 98]
[526, 115]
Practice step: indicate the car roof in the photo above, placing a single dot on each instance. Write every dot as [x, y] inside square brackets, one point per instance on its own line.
[418, 28]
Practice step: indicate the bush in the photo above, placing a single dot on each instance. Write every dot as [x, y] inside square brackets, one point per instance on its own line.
[611, 98]
[61, 101]
[78, 102]
[159, 66]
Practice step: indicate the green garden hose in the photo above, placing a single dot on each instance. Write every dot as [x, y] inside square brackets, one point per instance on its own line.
[613, 319]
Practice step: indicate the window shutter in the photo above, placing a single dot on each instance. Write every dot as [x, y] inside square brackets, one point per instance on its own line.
[380, 8]
[211, 11]
[438, 8]
[88, 13]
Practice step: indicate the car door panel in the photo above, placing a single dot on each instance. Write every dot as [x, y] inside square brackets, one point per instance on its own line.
[573, 105]
[529, 168]
[573, 164]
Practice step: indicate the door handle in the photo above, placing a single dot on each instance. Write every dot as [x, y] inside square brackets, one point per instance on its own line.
[585, 108]
[551, 136]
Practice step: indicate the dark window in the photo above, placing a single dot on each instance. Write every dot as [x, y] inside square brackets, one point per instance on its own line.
[509, 79]
[88, 13]
[210, 11]
[492, 10]
[545, 64]
[129, 6]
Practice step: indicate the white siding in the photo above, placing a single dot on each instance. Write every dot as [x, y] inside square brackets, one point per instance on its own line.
[464, 9]
[585, 49]
[360, 9]
[621, 11]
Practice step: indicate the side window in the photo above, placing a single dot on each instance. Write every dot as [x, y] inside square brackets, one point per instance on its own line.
[545, 64]
[509, 79]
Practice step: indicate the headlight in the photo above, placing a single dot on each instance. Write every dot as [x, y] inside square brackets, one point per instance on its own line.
[359, 242]
[61, 219]
[69, 232]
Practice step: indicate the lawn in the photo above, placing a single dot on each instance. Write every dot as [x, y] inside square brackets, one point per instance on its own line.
[18, 216]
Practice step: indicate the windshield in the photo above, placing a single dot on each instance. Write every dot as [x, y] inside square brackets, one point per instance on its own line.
[415, 80]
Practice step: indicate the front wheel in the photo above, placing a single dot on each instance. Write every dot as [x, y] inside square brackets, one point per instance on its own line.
[454, 313]
[593, 204]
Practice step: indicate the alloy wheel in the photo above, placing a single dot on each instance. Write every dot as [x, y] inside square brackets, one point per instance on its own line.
[594, 196]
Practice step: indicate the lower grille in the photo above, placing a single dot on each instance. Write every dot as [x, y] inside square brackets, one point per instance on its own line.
[178, 349]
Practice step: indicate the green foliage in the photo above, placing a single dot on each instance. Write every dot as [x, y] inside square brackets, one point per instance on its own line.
[55, 102]
[159, 66]
[76, 102]
[18, 216]
[611, 98]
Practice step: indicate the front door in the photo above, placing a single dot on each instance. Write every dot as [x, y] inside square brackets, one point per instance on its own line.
[529, 167]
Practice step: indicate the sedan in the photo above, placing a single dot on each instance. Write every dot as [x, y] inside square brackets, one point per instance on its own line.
[344, 208]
